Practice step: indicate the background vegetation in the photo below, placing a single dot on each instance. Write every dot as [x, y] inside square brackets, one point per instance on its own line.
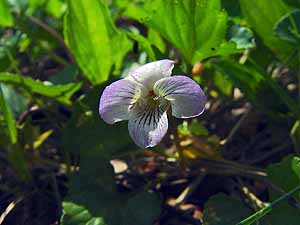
[61, 164]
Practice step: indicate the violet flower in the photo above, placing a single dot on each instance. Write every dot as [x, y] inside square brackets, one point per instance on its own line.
[145, 95]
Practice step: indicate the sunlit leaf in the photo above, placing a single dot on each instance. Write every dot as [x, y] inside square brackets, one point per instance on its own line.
[197, 28]
[262, 17]
[93, 39]
[156, 40]
[6, 18]
[74, 214]
[62, 93]
[41, 139]
[56, 8]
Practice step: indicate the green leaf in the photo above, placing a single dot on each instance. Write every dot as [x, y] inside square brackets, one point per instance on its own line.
[93, 39]
[267, 209]
[263, 91]
[6, 18]
[196, 28]
[276, 173]
[156, 40]
[262, 16]
[74, 214]
[9, 118]
[56, 8]
[94, 188]
[16, 100]
[288, 27]
[194, 128]
[294, 3]
[134, 214]
[67, 75]
[223, 83]
[61, 93]
[144, 44]
[295, 136]
[222, 210]
[286, 176]
[17, 159]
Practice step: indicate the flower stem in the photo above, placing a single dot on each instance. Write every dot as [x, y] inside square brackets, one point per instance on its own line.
[176, 140]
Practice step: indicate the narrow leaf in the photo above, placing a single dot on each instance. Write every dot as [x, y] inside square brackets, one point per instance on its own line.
[9, 118]
[61, 93]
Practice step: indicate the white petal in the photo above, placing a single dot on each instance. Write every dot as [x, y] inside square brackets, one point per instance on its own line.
[185, 95]
[117, 100]
[148, 127]
[149, 73]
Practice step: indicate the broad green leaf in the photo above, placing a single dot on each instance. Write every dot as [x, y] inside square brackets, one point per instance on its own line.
[94, 188]
[6, 18]
[224, 210]
[287, 166]
[196, 28]
[288, 27]
[286, 176]
[263, 91]
[9, 118]
[262, 16]
[74, 214]
[61, 93]
[133, 214]
[93, 39]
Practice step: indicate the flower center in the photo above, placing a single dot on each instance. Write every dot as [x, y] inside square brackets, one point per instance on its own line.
[153, 96]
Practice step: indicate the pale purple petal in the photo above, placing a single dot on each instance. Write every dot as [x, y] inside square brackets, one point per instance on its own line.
[185, 95]
[149, 73]
[148, 127]
[117, 100]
